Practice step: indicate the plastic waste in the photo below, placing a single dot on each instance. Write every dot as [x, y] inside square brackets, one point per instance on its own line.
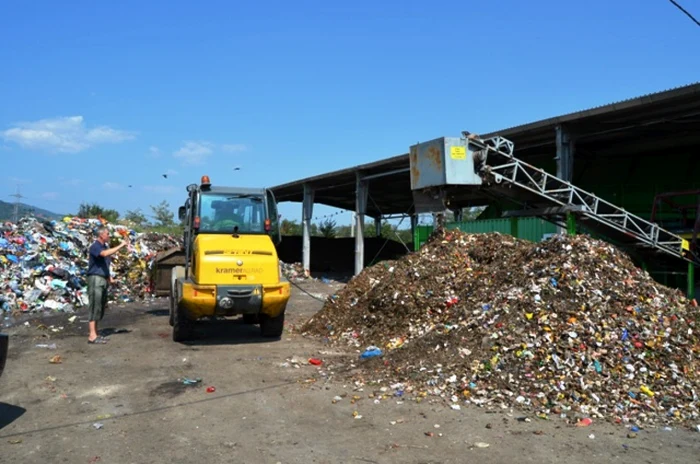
[43, 264]
[371, 352]
[568, 326]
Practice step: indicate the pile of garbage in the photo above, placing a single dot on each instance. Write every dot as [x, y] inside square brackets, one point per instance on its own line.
[43, 263]
[566, 327]
[294, 271]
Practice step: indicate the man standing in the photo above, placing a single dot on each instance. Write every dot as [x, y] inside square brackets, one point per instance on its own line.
[98, 277]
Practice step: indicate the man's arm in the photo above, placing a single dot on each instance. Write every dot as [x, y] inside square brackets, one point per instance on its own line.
[111, 251]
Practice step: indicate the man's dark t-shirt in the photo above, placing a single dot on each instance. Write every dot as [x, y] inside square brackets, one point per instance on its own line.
[98, 265]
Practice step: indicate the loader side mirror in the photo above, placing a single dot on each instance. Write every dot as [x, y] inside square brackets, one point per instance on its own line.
[181, 213]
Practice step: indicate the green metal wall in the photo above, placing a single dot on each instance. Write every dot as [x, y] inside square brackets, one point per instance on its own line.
[532, 229]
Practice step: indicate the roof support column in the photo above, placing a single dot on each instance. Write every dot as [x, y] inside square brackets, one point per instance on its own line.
[565, 157]
[361, 194]
[565, 154]
[307, 211]
[414, 226]
[378, 226]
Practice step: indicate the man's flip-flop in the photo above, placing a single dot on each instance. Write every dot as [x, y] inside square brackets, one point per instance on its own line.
[98, 341]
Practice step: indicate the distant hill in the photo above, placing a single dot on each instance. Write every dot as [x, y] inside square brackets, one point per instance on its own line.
[7, 210]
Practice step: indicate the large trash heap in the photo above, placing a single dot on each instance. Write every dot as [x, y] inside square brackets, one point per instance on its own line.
[566, 327]
[43, 263]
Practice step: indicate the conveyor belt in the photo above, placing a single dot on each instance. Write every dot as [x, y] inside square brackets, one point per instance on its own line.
[505, 175]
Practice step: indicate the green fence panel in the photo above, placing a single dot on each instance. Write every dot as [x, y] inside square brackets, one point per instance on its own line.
[532, 229]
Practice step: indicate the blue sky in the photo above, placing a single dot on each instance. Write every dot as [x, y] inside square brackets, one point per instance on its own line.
[97, 96]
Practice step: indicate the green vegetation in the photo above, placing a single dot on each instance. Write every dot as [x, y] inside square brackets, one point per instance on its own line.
[93, 210]
[329, 229]
[163, 219]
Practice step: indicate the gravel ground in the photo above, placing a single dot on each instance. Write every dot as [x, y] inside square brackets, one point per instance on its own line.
[125, 402]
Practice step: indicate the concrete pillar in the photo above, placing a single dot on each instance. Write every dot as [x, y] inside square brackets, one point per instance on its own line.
[306, 216]
[414, 224]
[361, 194]
[564, 158]
[565, 154]
[378, 226]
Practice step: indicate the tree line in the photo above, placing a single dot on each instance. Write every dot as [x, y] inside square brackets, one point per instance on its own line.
[330, 229]
[161, 217]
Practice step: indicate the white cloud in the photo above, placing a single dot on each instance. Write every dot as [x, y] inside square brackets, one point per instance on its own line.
[62, 135]
[161, 189]
[112, 186]
[194, 152]
[171, 172]
[233, 148]
[49, 195]
[154, 151]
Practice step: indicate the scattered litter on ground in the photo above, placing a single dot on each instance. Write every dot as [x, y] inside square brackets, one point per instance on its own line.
[211, 389]
[567, 327]
[98, 425]
[371, 352]
[46, 346]
[56, 359]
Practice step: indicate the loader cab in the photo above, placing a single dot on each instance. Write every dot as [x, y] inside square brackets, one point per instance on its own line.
[228, 210]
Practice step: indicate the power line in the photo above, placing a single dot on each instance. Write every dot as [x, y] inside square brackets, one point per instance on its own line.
[692, 18]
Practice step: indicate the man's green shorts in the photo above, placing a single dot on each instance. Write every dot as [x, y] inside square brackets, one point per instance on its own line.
[97, 297]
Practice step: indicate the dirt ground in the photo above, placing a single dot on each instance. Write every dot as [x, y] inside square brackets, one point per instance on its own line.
[125, 402]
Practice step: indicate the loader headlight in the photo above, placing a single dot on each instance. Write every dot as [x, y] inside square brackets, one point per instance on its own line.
[226, 303]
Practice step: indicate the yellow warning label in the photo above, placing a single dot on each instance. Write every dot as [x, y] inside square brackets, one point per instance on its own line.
[458, 153]
[685, 245]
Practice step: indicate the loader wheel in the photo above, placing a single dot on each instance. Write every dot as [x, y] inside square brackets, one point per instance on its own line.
[251, 319]
[182, 327]
[171, 311]
[271, 326]
[175, 273]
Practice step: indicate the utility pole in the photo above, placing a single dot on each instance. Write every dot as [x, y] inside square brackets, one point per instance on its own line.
[18, 200]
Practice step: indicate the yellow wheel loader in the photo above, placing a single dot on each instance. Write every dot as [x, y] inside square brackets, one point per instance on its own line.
[231, 263]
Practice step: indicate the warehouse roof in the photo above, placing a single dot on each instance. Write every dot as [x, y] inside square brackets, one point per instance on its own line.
[638, 125]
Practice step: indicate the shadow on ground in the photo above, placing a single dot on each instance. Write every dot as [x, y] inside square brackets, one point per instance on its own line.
[158, 312]
[9, 414]
[227, 332]
[112, 331]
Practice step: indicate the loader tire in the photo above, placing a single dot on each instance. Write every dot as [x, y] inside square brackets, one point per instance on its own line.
[175, 273]
[182, 327]
[271, 326]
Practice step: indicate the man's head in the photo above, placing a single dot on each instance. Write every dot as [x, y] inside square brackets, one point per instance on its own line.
[103, 234]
